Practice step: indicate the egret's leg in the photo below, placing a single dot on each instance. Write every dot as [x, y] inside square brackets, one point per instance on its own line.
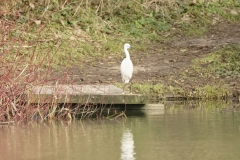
[123, 88]
[130, 87]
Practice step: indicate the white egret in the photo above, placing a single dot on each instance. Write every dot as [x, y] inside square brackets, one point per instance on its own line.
[126, 68]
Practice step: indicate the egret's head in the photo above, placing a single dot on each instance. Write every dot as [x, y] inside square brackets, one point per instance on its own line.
[127, 46]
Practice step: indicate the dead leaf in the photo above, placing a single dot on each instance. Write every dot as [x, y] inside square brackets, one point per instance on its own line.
[233, 12]
[38, 22]
[32, 5]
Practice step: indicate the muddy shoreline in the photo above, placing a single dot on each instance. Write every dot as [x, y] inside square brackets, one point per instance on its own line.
[167, 63]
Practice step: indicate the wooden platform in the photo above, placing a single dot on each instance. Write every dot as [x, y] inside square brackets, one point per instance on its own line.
[103, 94]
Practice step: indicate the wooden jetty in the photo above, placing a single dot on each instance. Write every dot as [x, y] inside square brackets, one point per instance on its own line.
[102, 94]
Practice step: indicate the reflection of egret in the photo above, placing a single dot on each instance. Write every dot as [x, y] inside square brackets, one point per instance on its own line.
[127, 146]
[126, 68]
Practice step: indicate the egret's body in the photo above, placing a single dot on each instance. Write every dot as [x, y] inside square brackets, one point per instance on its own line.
[126, 66]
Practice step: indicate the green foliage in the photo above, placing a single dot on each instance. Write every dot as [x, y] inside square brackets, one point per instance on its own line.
[88, 29]
[223, 62]
[149, 89]
[229, 61]
[212, 92]
[175, 90]
[158, 90]
[196, 16]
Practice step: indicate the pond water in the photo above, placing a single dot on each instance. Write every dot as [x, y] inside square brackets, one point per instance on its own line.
[173, 133]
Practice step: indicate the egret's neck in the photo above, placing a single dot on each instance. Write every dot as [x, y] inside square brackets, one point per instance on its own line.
[127, 53]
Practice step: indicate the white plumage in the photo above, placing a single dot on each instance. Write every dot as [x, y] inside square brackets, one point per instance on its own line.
[126, 66]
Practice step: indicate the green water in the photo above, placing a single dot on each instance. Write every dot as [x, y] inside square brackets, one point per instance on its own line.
[174, 133]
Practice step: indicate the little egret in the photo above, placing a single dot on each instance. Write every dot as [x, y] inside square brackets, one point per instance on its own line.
[126, 68]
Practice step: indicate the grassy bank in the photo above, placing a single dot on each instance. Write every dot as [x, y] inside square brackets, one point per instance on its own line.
[71, 31]
[162, 92]
[39, 36]
[222, 63]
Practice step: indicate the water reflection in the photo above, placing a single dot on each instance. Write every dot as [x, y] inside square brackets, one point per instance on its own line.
[127, 147]
[177, 133]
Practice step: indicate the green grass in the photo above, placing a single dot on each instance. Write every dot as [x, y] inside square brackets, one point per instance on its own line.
[149, 89]
[78, 30]
[64, 34]
[158, 90]
[222, 62]
[202, 105]
[212, 92]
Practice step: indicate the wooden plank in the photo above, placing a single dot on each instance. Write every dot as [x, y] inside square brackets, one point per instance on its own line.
[104, 94]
